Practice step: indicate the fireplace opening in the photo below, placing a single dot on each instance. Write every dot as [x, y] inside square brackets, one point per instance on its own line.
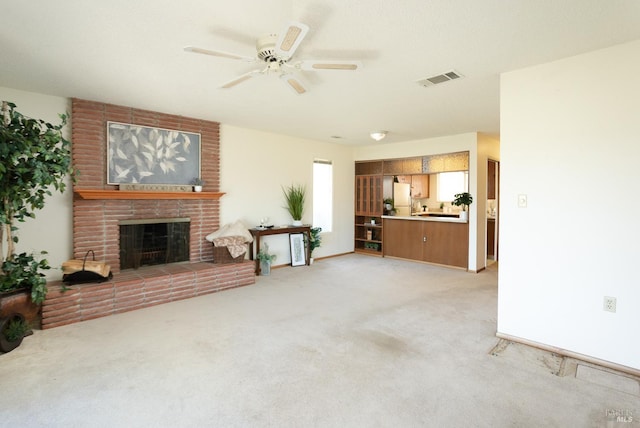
[149, 242]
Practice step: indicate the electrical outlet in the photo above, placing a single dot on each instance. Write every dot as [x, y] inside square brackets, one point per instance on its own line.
[609, 304]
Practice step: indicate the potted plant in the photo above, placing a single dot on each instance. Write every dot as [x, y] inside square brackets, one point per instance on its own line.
[197, 184]
[27, 177]
[463, 199]
[388, 204]
[314, 241]
[265, 260]
[295, 196]
[12, 330]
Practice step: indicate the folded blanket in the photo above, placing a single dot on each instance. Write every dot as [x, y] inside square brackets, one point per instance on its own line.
[235, 244]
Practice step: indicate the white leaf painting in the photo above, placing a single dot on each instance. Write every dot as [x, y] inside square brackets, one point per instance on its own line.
[141, 154]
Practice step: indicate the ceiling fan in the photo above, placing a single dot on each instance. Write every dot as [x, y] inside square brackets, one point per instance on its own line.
[275, 53]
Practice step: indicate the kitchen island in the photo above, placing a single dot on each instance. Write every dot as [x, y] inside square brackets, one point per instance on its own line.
[426, 238]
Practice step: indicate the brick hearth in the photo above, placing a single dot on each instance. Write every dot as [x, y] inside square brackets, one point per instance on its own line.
[96, 223]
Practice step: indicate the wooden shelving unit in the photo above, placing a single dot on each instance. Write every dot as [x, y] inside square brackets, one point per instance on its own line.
[368, 237]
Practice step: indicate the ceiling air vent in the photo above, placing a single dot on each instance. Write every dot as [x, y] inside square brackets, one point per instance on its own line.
[440, 78]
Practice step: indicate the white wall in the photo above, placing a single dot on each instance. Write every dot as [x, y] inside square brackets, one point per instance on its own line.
[51, 230]
[569, 134]
[256, 165]
[453, 143]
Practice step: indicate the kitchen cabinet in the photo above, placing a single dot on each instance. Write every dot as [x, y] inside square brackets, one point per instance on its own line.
[491, 180]
[445, 243]
[406, 166]
[412, 165]
[369, 167]
[369, 205]
[404, 179]
[420, 186]
[491, 238]
[368, 195]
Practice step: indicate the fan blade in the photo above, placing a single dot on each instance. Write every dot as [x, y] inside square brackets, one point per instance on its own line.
[242, 78]
[290, 39]
[218, 53]
[293, 83]
[313, 65]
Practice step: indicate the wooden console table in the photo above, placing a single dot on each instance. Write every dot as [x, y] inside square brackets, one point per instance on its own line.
[257, 233]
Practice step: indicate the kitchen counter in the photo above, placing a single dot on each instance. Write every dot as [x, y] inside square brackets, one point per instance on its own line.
[450, 218]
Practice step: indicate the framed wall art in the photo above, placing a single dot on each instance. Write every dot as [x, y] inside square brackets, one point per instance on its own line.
[145, 155]
[297, 249]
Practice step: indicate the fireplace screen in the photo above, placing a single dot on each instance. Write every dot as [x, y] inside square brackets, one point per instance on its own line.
[153, 242]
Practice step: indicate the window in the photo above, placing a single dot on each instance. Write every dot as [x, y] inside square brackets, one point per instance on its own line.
[323, 194]
[451, 183]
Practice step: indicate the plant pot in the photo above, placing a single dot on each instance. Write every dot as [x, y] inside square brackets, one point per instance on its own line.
[297, 222]
[265, 268]
[19, 301]
[197, 188]
[5, 344]
[464, 215]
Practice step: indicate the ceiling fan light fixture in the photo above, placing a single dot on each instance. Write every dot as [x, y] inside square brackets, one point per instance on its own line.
[378, 135]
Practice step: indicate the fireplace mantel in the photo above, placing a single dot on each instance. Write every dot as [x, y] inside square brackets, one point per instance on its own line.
[141, 194]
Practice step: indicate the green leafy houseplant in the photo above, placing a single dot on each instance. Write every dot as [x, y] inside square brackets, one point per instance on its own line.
[315, 239]
[265, 260]
[264, 256]
[16, 329]
[35, 159]
[462, 199]
[295, 196]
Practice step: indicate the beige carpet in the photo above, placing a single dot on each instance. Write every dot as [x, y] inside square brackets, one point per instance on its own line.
[351, 341]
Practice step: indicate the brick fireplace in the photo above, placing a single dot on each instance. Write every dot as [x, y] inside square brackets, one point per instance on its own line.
[97, 218]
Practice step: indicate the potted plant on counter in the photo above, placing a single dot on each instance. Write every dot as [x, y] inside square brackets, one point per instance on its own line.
[265, 260]
[36, 159]
[463, 199]
[295, 197]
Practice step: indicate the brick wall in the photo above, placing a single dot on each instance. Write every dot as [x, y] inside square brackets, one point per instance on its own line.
[96, 224]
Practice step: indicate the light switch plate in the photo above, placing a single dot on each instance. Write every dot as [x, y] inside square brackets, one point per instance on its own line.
[522, 201]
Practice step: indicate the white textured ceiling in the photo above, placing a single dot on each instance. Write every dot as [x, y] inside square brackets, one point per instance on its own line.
[131, 53]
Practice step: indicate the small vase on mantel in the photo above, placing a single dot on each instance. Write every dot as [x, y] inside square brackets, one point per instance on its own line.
[297, 222]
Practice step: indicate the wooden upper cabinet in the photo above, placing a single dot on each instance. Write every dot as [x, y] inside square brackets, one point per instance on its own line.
[420, 186]
[368, 196]
[412, 166]
[369, 167]
[406, 166]
[392, 166]
[491, 180]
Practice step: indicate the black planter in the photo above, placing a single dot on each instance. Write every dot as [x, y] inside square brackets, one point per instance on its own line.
[5, 345]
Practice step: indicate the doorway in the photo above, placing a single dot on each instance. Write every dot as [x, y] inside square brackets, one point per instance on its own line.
[493, 211]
